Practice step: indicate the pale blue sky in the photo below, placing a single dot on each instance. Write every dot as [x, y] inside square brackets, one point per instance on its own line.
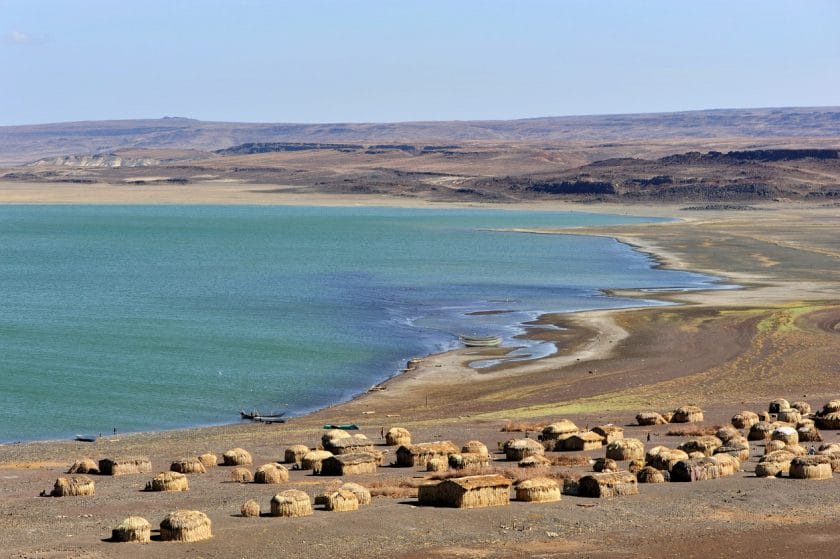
[333, 61]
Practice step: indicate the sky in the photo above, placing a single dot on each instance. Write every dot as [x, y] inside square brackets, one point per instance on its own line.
[406, 60]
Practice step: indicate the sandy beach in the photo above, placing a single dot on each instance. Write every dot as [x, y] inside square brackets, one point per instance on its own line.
[726, 350]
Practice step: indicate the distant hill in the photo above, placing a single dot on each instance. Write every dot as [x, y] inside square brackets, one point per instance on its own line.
[22, 144]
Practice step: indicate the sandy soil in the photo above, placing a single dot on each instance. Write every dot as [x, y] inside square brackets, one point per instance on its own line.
[725, 350]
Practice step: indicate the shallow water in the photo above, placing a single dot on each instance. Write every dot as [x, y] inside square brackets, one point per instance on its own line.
[156, 317]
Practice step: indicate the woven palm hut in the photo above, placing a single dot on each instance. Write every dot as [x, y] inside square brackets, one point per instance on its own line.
[833, 453]
[650, 418]
[553, 436]
[438, 464]
[250, 509]
[726, 433]
[241, 475]
[828, 420]
[741, 454]
[808, 432]
[744, 419]
[811, 467]
[610, 484]
[537, 490]
[518, 449]
[294, 454]
[313, 459]
[687, 414]
[84, 466]
[418, 455]
[124, 466]
[761, 431]
[188, 466]
[362, 493]
[626, 449]
[727, 464]
[348, 464]
[777, 405]
[787, 435]
[271, 473]
[208, 460]
[133, 529]
[605, 465]
[291, 503]
[633, 466]
[168, 481]
[73, 486]
[333, 435]
[398, 436]
[468, 460]
[467, 492]
[534, 462]
[584, 441]
[185, 526]
[342, 501]
[764, 416]
[237, 457]
[649, 474]
[475, 447]
[832, 406]
[350, 445]
[788, 415]
[775, 463]
[705, 445]
[609, 432]
[664, 458]
[695, 469]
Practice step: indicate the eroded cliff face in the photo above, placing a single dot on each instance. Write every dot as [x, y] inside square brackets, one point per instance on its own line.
[108, 160]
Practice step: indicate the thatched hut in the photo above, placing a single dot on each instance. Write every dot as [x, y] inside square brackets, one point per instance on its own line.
[584, 441]
[554, 435]
[271, 473]
[241, 475]
[398, 436]
[727, 464]
[350, 445]
[649, 474]
[808, 432]
[362, 493]
[744, 419]
[168, 481]
[475, 447]
[832, 406]
[332, 435]
[695, 469]
[468, 460]
[534, 462]
[124, 466]
[188, 466]
[237, 457]
[133, 529]
[775, 463]
[777, 405]
[418, 455]
[208, 459]
[788, 415]
[626, 449]
[467, 492]
[294, 454]
[84, 466]
[650, 418]
[538, 490]
[738, 451]
[608, 485]
[341, 501]
[185, 526]
[313, 459]
[348, 464]
[250, 509]
[761, 431]
[726, 433]
[633, 466]
[811, 467]
[705, 445]
[438, 464]
[518, 449]
[73, 486]
[291, 503]
[605, 465]
[687, 414]
[828, 420]
[609, 432]
[787, 435]
[664, 458]
[832, 451]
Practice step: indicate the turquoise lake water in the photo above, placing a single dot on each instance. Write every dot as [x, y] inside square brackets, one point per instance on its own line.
[158, 317]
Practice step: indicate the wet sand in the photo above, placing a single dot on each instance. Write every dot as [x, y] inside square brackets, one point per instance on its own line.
[724, 350]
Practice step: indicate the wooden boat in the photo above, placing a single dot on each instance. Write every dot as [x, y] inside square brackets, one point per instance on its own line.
[86, 438]
[480, 341]
[257, 416]
[345, 426]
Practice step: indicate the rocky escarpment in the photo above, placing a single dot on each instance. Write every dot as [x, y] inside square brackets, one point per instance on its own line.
[109, 160]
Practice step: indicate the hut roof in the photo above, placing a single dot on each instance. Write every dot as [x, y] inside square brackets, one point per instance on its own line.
[589, 437]
[562, 427]
[354, 458]
[476, 482]
[439, 447]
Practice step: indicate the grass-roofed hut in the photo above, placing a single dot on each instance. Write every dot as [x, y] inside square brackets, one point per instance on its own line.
[124, 466]
[467, 492]
[349, 464]
[185, 526]
[609, 484]
[418, 455]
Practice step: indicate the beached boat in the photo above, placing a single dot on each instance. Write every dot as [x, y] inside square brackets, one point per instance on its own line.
[344, 426]
[257, 416]
[86, 438]
[480, 341]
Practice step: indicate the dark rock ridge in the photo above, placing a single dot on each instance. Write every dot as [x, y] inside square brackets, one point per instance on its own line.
[753, 155]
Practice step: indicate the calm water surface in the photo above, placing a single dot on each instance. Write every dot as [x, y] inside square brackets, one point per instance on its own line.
[156, 317]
